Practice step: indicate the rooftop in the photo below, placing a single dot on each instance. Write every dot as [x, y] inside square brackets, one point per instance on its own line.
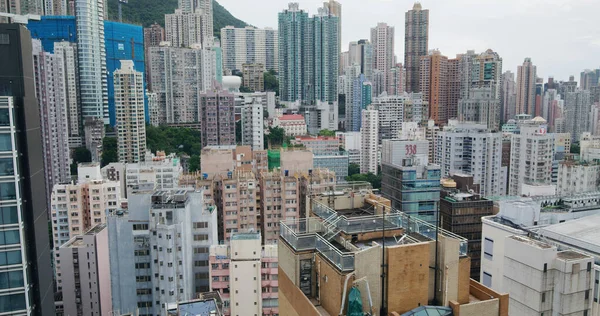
[533, 242]
[583, 233]
[245, 236]
[571, 255]
[291, 117]
[96, 229]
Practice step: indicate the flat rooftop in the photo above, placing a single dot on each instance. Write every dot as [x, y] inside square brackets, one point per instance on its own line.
[583, 233]
[571, 255]
[533, 242]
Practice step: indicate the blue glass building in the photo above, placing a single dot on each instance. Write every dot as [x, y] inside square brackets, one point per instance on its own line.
[122, 42]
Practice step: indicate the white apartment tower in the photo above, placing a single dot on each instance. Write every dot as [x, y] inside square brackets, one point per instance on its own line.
[390, 109]
[129, 106]
[49, 75]
[201, 6]
[382, 38]
[187, 71]
[76, 207]
[68, 51]
[91, 56]
[253, 129]
[531, 156]
[183, 29]
[369, 139]
[249, 45]
[472, 149]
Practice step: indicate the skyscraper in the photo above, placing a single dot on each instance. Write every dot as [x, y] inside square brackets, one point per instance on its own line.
[335, 8]
[369, 141]
[252, 125]
[577, 107]
[382, 39]
[508, 97]
[472, 149]
[589, 79]
[129, 104]
[249, 45]
[89, 15]
[416, 44]
[24, 222]
[183, 29]
[51, 92]
[189, 71]
[292, 50]
[203, 7]
[481, 107]
[434, 85]
[153, 36]
[67, 52]
[526, 76]
[308, 55]
[217, 117]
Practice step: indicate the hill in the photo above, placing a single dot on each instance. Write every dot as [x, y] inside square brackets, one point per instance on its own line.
[146, 12]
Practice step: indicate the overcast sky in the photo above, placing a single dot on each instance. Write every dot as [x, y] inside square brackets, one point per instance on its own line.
[561, 36]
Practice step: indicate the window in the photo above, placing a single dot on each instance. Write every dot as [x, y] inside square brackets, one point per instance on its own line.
[10, 257]
[8, 215]
[12, 279]
[142, 252]
[6, 167]
[200, 237]
[142, 278]
[5, 142]
[488, 248]
[543, 297]
[140, 226]
[144, 291]
[545, 267]
[4, 116]
[201, 263]
[200, 250]
[487, 279]
[142, 265]
[9, 237]
[7, 191]
[199, 225]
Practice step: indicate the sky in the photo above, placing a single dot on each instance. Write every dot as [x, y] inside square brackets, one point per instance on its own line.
[562, 37]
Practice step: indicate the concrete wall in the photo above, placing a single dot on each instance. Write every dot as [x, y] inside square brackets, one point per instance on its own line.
[292, 302]
[408, 276]
[215, 162]
[331, 286]
[103, 260]
[488, 308]
[366, 265]
[296, 160]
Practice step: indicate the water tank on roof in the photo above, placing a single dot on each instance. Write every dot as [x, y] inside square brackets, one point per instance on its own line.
[232, 83]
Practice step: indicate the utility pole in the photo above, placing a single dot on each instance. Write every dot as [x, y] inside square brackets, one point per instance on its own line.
[121, 10]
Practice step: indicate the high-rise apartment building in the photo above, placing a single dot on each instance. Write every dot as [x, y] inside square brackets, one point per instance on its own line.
[482, 107]
[531, 156]
[508, 97]
[253, 129]
[369, 134]
[129, 104]
[382, 39]
[486, 72]
[589, 79]
[361, 53]
[391, 114]
[51, 92]
[217, 117]
[474, 150]
[86, 273]
[91, 56]
[68, 53]
[526, 77]
[245, 274]
[397, 80]
[77, 207]
[160, 242]
[204, 8]
[26, 248]
[439, 85]
[308, 55]
[189, 71]
[184, 29]
[153, 36]
[253, 77]
[577, 111]
[358, 97]
[280, 199]
[249, 45]
[416, 44]
[335, 8]
[94, 131]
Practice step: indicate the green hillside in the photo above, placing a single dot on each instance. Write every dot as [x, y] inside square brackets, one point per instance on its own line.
[146, 12]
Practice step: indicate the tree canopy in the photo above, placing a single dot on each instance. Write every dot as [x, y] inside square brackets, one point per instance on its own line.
[173, 140]
[109, 151]
[326, 132]
[276, 137]
[80, 154]
[271, 82]
[370, 177]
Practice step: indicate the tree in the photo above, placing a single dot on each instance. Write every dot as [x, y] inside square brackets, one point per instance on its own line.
[575, 148]
[353, 169]
[194, 164]
[109, 151]
[271, 82]
[276, 136]
[244, 89]
[326, 132]
[238, 132]
[80, 154]
[173, 140]
[370, 177]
